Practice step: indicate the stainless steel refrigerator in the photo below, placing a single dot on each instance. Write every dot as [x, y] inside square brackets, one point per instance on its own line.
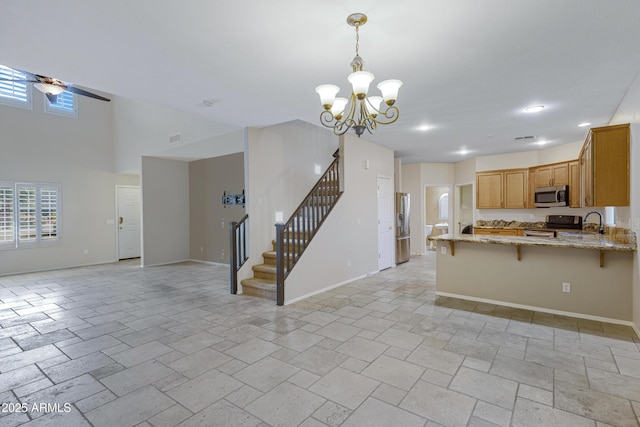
[402, 227]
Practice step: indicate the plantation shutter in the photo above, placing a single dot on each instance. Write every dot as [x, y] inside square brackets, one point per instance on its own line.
[7, 215]
[27, 208]
[12, 92]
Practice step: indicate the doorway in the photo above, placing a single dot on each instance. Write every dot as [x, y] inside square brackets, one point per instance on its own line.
[463, 207]
[437, 213]
[385, 223]
[128, 219]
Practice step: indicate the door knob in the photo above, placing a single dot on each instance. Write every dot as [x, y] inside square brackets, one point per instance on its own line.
[121, 220]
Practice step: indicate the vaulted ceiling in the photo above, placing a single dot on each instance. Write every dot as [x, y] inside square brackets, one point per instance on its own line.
[469, 67]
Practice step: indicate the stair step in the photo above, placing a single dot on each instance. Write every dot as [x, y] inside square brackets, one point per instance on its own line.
[269, 257]
[259, 288]
[264, 271]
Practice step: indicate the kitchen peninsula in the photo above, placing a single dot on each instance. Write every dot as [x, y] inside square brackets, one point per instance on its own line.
[535, 272]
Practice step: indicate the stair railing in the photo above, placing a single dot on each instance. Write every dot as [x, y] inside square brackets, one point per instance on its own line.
[294, 235]
[239, 255]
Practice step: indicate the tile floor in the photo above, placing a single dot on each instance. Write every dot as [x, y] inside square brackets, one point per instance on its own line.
[117, 345]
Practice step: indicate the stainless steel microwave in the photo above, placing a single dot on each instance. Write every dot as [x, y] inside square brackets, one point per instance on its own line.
[557, 195]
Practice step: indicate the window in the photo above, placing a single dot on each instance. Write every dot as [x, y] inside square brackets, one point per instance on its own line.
[65, 105]
[15, 93]
[29, 214]
[443, 206]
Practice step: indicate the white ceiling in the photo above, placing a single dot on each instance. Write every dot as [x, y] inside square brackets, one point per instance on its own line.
[469, 67]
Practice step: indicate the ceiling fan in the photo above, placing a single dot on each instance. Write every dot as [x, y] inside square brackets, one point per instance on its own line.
[52, 87]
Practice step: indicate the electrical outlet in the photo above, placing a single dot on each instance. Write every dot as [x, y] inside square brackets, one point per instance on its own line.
[201, 249]
[222, 255]
[566, 287]
[348, 263]
[86, 251]
[222, 223]
[443, 250]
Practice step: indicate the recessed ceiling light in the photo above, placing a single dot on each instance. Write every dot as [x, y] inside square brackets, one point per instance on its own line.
[534, 109]
[208, 102]
[463, 152]
[584, 124]
[542, 142]
[424, 128]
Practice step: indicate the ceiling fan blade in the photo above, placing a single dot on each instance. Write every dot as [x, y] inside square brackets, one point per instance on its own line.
[52, 98]
[83, 92]
[4, 79]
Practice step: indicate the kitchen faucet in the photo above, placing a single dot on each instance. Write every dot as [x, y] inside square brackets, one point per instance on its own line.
[601, 227]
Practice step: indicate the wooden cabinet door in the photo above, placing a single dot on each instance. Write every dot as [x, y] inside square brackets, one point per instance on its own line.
[574, 184]
[543, 176]
[586, 174]
[531, 203]
[610, 165]
[560, 174]
[515, 189]
[488, 190]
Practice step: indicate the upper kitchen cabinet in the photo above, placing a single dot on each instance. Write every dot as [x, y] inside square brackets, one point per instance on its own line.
[604, 164]
[574, 184]
[553, 174]
[502, 189]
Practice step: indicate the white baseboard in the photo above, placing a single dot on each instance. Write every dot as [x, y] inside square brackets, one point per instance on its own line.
[328, 288]
[40, 270]
[541, 309]
[219, 264]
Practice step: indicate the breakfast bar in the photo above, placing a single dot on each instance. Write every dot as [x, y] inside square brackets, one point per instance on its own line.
[577, 274]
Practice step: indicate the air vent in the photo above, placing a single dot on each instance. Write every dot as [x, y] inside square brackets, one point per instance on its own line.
[173, 139]
[522, 138]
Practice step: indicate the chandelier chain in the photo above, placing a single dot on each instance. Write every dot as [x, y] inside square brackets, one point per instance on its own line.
[357, 39]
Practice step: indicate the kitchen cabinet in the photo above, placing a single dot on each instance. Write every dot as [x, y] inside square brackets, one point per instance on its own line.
[553, 174]
[498, 231]
[574, 184]
[604, 167]
[502, 189]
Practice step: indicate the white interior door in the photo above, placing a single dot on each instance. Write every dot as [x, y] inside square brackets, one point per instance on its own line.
[128, 203]
[385, 223]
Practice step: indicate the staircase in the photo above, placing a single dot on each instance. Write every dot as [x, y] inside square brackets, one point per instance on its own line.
[295, 235]
[263, 282]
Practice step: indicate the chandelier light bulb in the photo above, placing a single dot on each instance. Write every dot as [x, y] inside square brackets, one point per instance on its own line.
[373, 105]
[360, 81]
[338, 107]
[327, 95]
[389, 90]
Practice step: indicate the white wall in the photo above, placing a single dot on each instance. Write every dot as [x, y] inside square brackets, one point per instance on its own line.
[280, 170]
[165, 211]
[76, 153]
[629, 112]
[142, 129]
[346, 246]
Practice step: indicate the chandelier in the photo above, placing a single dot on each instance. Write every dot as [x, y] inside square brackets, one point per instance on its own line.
[360, 111]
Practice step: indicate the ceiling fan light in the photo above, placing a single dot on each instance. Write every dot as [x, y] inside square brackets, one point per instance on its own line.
[338, 107]
[360, 81]
[49, 88]
[327, 95]
[389, 89]
[373, 105]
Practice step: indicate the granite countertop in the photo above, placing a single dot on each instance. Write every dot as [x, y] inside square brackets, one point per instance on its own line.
[500, 223]
[564, 240]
